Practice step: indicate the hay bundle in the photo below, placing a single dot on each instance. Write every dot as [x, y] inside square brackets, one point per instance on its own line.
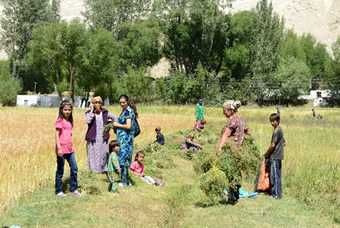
[233, 163]
[212, 183]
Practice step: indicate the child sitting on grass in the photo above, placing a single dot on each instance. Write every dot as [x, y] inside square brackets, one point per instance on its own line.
[275, 154]
[137, 167]
[199, 125]
[113, 168]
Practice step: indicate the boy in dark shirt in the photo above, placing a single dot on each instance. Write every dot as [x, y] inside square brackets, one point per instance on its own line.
[159, 137]
[275, 154]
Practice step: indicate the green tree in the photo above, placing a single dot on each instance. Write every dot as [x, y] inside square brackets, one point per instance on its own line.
[195, 31]
[9, 86]
[317, 59]
[59, 48]
[137, 85]
[236, 53]
[20, 17]
[99, 63]
[139, 43]
[265, 45]
[294, 78]
[109, 14]
[291, 46]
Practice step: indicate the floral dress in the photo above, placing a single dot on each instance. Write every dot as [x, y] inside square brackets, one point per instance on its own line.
[125, 138]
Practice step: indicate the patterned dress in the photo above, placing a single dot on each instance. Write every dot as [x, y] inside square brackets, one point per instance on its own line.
[98, 150]
[125, 138]
[238, 127]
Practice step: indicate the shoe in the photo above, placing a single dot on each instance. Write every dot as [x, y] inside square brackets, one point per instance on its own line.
[76, 193]
[162, 184]
[61, 194]
[157, 181]
[121, 184]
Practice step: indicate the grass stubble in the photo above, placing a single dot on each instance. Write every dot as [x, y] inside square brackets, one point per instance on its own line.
[310, 173]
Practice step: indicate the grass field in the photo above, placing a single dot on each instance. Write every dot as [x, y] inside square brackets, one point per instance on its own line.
[310, 173]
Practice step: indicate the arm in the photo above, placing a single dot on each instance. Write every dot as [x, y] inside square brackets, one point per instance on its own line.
[138, 174]
[225, 137]
[111, 116]
[116, 164]
[126, 126]
[270, 149]
[89, 116]
[57, 141]
[194, 144]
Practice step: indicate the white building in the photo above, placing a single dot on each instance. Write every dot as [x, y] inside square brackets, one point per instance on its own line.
[318, 96]
[51, 101]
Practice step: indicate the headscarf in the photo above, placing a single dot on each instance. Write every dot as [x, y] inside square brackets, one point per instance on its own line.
[190, 136]
[98, 98]
[231, 104]
[97, 107]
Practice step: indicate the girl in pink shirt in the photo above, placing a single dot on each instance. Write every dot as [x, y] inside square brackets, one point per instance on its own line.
[137, 168]
[64, 149]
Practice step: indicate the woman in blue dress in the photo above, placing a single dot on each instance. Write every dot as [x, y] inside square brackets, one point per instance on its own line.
[125, 135]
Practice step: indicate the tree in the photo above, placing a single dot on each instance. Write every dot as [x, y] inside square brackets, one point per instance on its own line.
[59, 48]
[291, 46]
[99, 63]
[137, 85]
[294, 78]
[236, 53]
[109, 14]
[317, 59]
[195, 31]
[20, 19]
[265, 44]
[139, 43]
[9, 86]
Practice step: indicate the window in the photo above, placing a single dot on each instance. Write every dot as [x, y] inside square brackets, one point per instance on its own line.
[318, 94]
[26, 102]
[39, 103]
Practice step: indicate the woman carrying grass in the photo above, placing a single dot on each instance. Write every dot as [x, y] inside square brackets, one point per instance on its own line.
[234, 130]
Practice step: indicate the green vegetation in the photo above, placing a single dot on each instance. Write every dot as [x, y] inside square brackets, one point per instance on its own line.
[310, 174]
[214, 55]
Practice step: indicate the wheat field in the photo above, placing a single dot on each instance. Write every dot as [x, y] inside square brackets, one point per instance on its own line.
[310, 168]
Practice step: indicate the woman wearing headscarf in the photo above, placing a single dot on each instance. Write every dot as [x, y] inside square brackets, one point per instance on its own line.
[189, 144]
[125, 135]
[234, 130]
[199, 111]
[97, 144]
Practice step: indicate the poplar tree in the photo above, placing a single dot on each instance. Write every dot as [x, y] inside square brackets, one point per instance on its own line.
[20, 19]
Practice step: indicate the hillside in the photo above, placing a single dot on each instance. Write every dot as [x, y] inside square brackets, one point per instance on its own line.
[319, 17]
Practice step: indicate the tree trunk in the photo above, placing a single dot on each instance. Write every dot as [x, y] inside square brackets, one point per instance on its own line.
[71, 85]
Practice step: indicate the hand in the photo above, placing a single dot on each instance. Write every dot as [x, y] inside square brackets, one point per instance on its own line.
[91, 107]
[219, 151]
[115, 124]
[201, 147]
[119, 170]
[60, 152]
